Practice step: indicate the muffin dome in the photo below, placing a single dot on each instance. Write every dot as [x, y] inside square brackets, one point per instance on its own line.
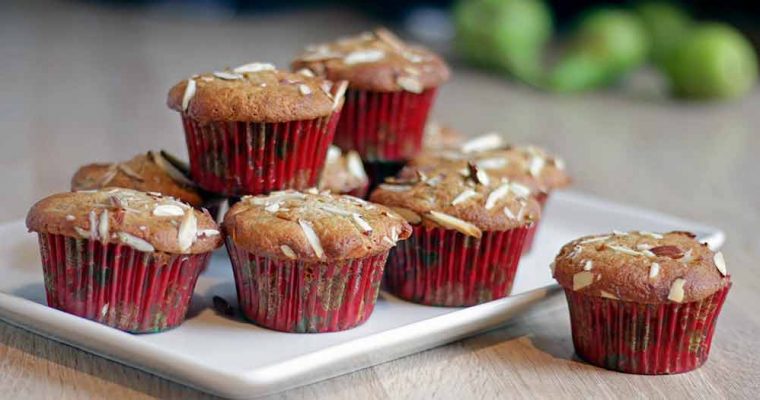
[255, 92]
[313, 226]
[145, 221]
[377, 61]
[150, 172]
[641, 267]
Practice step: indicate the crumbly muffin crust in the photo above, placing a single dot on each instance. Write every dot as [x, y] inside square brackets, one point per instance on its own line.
[343, 172]
[149, 172]
[529, 165]
[468, 201]
[377, 61]
[255, 92]
[145, 221]
[313, 226]
[641, 267]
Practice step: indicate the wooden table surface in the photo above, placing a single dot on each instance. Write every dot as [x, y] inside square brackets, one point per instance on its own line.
[80, 83]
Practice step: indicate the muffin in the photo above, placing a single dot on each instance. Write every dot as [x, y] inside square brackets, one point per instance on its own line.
[528, 165]
[391, 87]
[123, 258]
[468, 236]
[641, 302]
[309, 262]
[254, 129]
[344, 173]
[438, 137]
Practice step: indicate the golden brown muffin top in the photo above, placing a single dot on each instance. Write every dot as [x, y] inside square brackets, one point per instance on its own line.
[468, 201]
[313, 226]
[529, 165]
[149, 172]
[377, 61]
[256, 92]
[343, 172]
[144, 221]
[641, 267]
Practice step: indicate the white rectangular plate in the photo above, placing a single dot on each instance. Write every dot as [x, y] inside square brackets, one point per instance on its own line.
[236, 359]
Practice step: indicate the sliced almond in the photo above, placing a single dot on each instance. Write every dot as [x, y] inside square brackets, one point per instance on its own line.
[168, 210]
[288, 252]
[340, 91]
[409, 215]
[85, 234]
[354, 165]
[227, 76]
[395, 188]
[363, 225]
[333, 154]
[312, 238]
[208, 233]
[464, 196]
[582, 279]
[595, 239]
[254, 67]
[363, 56]
[623, 249]
[496, 195]
[188, 95]
[135, 242]
[305, 90]
[335, 210]
[607, 295]
[187, 231]
[492, 163]
[654, 270]
[536, 166]
[489, 141]
[588, 265]
[306, 72]
[93, 219]
[70, 217]
[520, 190]
[272, 208]
[676, 291]
[720, 263]
[103, 226]
[451, 222]
[651, 234]
[410, 84]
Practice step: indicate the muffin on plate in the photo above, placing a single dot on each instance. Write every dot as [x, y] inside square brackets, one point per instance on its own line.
[253, 129]
[123, 258]
[309, 262]
[149, 172]
[529, 165]
[468, 236]
[642, 302]
[391, 88]
[344, 173]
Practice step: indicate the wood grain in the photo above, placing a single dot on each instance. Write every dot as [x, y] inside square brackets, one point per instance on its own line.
[82, 83]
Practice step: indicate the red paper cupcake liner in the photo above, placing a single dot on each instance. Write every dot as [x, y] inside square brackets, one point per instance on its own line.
[303, 297]
[116, 285]
[442, 267]
[384, 125]
[541, 198]
[650, 339]
[239, 158]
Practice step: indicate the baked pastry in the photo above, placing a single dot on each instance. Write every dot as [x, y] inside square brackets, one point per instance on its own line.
[126, 259]
[253, 129]
[469, 232]
[344, 173]
[391, 88]
[326, 254]
[642, 302]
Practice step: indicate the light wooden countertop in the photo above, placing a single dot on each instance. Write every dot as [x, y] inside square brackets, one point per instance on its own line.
[79, 84]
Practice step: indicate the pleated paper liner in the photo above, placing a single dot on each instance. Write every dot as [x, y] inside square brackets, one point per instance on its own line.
[442, 267]
[650, 339]
[305, 297]
[239, 158]
[541, 198]
[116, 285]
[384, 126]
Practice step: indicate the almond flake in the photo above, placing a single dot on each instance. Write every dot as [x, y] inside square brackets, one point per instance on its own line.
[272, 208]
[687, 257]
[355, 166]
[651, 234]
[489, 141]
[103, 226]
[623, 249]
[70, 217]
[335, 210]
[577, 250]
[363, 56]
[305, 90]
[496, 195]
[227, 76]
[312, 238]
[208, 233]
[619, 233]
[339, 93]
[333, 154]
[395, 188]
[654, 270]
[588, 265]
[135, 242]
[582, 279]
[607, 295]
[509, 213]
[288, 252]
[254, 67]
[520, 190]
[388, 240]
[306, 72]
[492, 163]
[410, 84]
[643, 246]
[720, 263]
[559, 163]
[409, 215]
[464, 196]
[451, 222]
[676, 291]
[187, 232]
[168, 210]
[536, 166]
[188, 95]
[595, 239]
[82, 232]
[361, 223]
